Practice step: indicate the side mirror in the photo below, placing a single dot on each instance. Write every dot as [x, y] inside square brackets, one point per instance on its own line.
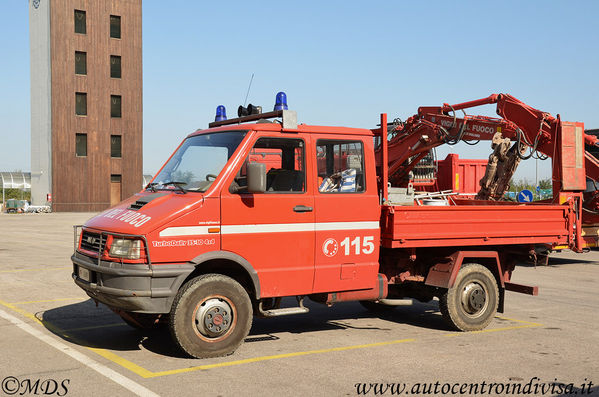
[256, 174]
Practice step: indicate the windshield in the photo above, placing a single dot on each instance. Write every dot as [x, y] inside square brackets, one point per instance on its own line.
[197, 163]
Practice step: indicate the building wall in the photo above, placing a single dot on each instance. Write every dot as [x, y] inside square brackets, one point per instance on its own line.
[41, 120]
[84, 183]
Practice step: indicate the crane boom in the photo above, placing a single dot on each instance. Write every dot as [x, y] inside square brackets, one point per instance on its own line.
[533, 131]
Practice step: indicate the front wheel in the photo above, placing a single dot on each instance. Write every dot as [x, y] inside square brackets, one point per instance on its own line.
[210, 317]
[471, 303]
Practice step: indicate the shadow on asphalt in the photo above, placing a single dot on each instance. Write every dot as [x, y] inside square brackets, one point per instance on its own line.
[86, 325]
[557, 261]
[554, 261]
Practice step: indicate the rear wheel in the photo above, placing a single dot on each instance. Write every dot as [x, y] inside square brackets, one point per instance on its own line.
[471, 303]
[210, 317]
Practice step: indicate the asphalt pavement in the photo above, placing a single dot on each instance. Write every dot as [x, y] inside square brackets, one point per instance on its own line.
[53, 334]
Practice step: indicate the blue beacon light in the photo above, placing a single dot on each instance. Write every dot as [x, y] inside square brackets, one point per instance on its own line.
[281, 101]
[221, 113]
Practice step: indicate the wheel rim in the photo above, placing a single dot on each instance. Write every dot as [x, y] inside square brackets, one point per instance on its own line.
[214, 317]
[474, 299]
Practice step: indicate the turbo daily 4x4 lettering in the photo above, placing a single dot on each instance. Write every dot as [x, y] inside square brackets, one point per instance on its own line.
[183, 243]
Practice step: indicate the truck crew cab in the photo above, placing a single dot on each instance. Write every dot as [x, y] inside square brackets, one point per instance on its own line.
[243, 214]
[234, 218]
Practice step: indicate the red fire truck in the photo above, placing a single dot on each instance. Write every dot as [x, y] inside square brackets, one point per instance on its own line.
[244, 214]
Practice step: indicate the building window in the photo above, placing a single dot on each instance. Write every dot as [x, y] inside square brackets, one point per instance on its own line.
[81, 145]
[115, 106]
[115, 66]
[115, 146]
[80, 22]
[80, 62]
[81, 104]
[115, 27]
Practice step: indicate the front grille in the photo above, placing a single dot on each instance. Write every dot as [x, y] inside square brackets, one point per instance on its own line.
[92, 241]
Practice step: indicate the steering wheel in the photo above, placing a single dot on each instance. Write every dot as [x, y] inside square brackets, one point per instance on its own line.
[208, 176]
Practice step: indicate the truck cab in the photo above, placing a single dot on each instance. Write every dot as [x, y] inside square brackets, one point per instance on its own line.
[239, 216]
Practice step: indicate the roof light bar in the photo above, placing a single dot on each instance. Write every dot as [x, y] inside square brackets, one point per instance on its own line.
[221, 113]
[254, 113]
[281, 101]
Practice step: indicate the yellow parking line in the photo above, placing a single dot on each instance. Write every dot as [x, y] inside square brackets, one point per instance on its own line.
[48, 300]
[524, 324]
[33, 317]
[21, 311]
[103, 370]
[102, 352]
[107, 354]
[145, 373]
[35, 270]
[278, 356]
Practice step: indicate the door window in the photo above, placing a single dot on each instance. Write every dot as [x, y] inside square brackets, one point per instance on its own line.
[340, 166]
[285, 168]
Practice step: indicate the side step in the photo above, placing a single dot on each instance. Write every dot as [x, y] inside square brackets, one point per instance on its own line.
[284, 311]
[523, 289]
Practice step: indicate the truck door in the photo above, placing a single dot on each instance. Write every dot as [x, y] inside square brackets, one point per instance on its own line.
[274, 230]
[347, 214]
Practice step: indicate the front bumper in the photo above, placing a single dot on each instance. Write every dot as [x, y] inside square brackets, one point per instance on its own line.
[139, 288]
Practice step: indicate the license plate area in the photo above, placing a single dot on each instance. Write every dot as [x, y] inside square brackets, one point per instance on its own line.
[84, 274]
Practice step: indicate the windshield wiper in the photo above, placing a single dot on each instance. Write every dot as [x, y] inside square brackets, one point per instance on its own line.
[177, 185]
[151, 186]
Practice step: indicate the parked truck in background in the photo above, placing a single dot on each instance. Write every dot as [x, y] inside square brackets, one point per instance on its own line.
[16, 206]
[244, 214]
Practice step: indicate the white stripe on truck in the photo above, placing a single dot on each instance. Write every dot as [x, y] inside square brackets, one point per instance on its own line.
[184, 231]
[269, 228]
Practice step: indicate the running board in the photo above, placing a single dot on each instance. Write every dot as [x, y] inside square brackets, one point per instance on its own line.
[284, 311]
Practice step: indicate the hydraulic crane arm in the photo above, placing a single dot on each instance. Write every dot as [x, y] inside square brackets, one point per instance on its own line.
[533, 130]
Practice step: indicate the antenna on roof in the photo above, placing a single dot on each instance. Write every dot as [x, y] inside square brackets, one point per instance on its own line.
[248, 92]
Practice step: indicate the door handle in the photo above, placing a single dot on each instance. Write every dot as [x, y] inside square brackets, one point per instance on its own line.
[302, 208]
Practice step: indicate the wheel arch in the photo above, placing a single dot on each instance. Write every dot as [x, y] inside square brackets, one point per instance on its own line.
[443, 275]
[228, 264]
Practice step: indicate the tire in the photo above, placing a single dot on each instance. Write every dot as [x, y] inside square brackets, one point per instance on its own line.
[141, 321]
[471, 303]
[197, 307]
[377, 307]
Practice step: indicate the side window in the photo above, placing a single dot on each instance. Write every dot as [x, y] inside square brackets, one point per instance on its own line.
[340, 166]
[285, 168]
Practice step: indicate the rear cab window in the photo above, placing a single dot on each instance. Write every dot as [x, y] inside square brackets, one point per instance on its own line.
[340, 166]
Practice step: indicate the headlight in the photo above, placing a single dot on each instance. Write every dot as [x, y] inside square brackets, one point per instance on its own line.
[125, 248]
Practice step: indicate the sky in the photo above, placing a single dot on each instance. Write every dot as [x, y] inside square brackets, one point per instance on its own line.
[340, 62]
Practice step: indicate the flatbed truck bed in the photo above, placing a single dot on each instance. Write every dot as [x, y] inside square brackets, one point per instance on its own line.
[475, 223]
